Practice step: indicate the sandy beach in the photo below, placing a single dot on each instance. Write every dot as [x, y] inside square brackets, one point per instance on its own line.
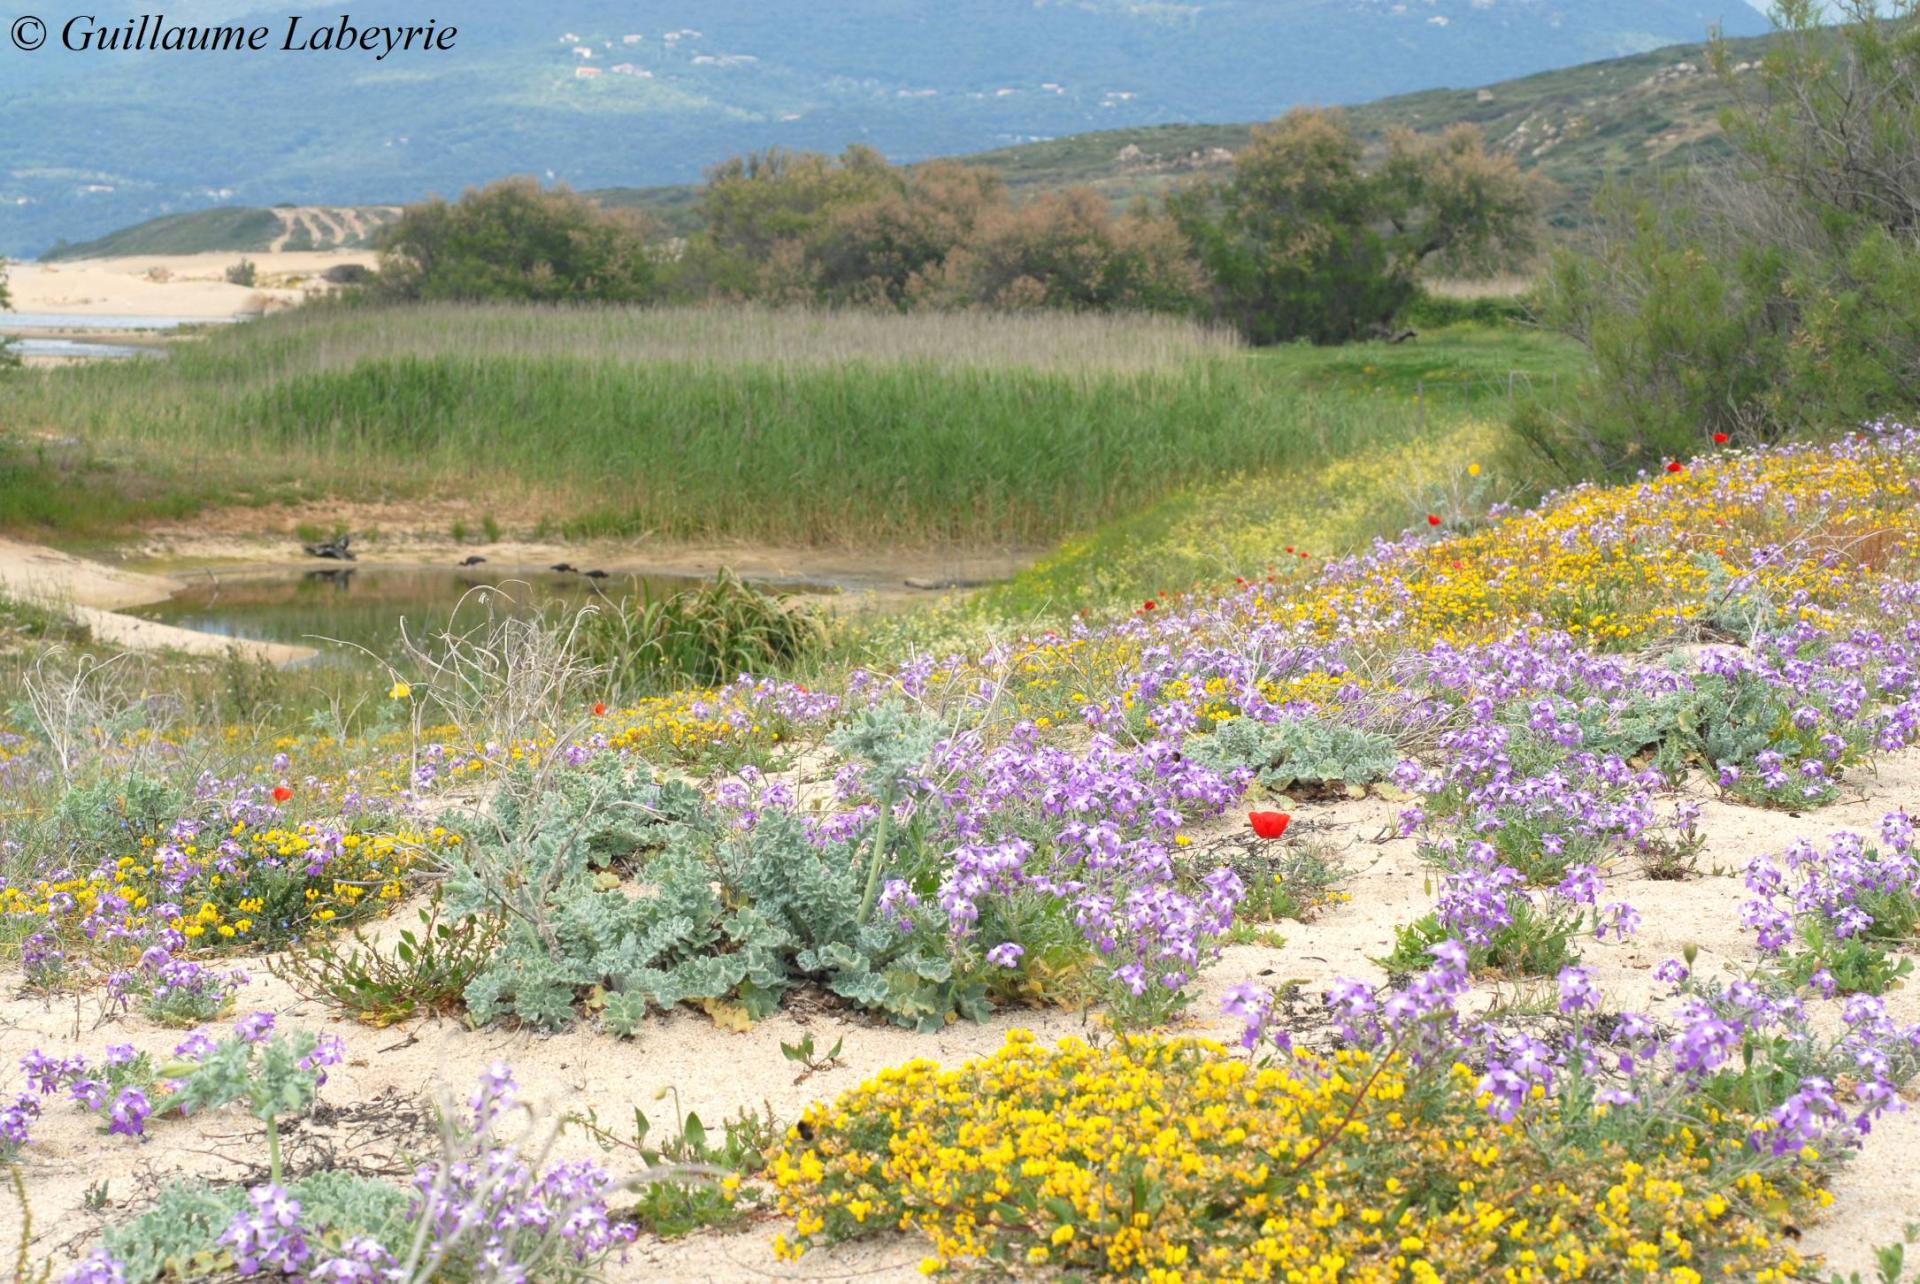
[188, 287]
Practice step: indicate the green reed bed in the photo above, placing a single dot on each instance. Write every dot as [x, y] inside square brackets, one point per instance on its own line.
[737, 422]
[790, 427]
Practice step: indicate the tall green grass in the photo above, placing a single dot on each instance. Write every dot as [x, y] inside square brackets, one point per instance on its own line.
[733, 423]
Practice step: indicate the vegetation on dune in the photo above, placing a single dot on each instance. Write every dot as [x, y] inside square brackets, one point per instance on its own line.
[1038, 820]
[1295, 574]
[1163, 1159]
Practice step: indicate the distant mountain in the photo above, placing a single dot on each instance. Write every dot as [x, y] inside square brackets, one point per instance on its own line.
[605, 92]
[1577, 126]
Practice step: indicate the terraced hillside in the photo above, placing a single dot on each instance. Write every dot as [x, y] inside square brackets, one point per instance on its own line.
[238, 227]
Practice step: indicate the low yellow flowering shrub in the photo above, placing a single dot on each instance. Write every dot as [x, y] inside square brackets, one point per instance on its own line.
[1173, 1160]
[251, 886]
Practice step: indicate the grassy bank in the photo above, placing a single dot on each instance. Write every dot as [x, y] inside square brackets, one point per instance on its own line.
[748, 424]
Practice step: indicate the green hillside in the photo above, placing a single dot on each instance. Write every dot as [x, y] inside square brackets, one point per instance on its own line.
[238, 228]
[1577, 126]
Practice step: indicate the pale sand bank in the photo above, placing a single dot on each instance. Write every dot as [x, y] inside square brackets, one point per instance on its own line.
[192, 287]
[95, 594]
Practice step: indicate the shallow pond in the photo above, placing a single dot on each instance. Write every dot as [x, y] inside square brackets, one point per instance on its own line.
[82, 349]
[76, 322]
[365, 606]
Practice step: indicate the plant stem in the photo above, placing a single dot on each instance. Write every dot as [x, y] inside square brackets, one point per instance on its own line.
[879, 855]
[273, 1152]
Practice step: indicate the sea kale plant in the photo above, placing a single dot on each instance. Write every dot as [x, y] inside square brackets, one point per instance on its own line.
[1298, 752]
[951, 875]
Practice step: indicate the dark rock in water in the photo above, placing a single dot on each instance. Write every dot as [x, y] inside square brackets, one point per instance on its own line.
[937, 586]
[335, 549]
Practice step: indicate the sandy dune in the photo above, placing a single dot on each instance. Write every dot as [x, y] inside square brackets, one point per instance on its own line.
[188, 286]
[718, 1072]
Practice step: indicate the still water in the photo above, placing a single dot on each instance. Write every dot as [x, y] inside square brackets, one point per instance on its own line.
[366, 606]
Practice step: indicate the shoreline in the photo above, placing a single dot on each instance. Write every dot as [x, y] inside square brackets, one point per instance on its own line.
[96, 595]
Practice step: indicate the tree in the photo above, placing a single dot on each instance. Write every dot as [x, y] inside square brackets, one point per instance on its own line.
[1305, 240]
[1067, 250]
[514, 239]
[763, 214]
[883, 251]
[1775, 294]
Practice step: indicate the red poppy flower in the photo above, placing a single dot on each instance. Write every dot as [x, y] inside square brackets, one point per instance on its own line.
[1433, 519]
[1674, 466]
[1148, 605]
[1719, 439]
[1289, 548]
[1269, 824]
[599, 708]
[281, 793]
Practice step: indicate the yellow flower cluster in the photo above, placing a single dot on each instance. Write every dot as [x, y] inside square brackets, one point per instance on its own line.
[242, 886]
[1172, 1160]
[1618, 566]
[688, 727]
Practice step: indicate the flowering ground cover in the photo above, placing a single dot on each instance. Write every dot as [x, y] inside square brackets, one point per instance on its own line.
[1526, 897]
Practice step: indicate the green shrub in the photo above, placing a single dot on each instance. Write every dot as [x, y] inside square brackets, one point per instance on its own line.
[178, 1238]
[1307, 241]
[424, 971]
[514, 240]
[1775, 295]
[106, 818]
[703, 636]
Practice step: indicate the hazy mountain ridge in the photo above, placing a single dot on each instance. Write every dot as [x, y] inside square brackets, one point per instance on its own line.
[588, 94]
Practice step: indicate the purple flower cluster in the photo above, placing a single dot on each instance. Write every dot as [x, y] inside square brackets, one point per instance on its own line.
[173, 990]
[491, 1206]
[1745, 1039]
[16, 1124]
[1093, 832]
[1846, 891]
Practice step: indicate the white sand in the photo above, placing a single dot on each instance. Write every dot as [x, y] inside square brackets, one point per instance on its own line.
[189, 286]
